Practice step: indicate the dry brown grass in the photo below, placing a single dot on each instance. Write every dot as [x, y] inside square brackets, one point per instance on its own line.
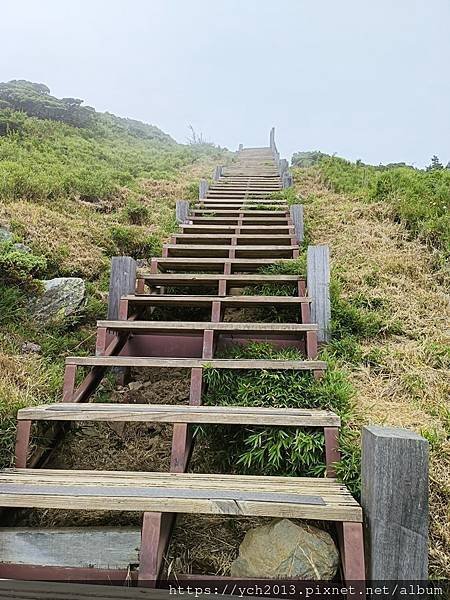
[409, 384]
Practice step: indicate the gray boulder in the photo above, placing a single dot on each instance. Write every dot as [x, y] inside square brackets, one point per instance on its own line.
[22, 248]
[5, 235]
[30, 348]
[284, 549]
[61, 297]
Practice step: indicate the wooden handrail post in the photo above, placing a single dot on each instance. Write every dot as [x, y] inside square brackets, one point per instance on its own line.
[122, 282]
[395, 503]
[218, 171]
[318, 284]
[182, 211]
[202, 189]
[296, 211]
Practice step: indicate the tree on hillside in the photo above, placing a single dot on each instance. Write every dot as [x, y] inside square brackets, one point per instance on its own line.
[435, 164]
[35, 100]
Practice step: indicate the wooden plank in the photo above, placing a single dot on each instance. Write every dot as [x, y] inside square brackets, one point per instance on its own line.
[189, 363]
[93, 547]
[297, 219]
[201, 326]
[222, 238]
[395, 501]
[252, 247]
[318, 282]
[179, 492]
[43, 590]
[182, 211]
[177, 264]
[122, 281]
[168, 413]
[202, 188]
[200, 300]
[202, 278]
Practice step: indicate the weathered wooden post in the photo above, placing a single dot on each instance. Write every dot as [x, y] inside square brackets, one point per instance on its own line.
[297, 219]
[284, 166]
[202, 189]
[122, 282]
[182, 211]
[395, 503]
[286, 179]
[241, 147]
[272, 140]
[218, 172]
[318, 284]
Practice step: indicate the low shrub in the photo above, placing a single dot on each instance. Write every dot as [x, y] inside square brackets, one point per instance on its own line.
[18, 267]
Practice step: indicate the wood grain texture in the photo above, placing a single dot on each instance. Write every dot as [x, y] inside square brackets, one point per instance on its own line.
[297, 219]
[202, 325]
[226, 300]
[318, 282]
[182, 211]
[202, 188]
[189, 363]
[122, 282]
[395, 502]
[98, 547]
[307, 498]
[168, 413]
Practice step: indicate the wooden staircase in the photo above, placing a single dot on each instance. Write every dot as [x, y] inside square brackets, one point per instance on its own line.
[223, 243]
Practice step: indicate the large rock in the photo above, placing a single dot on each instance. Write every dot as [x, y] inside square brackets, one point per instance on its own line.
[284, 549]
[60, 298]
[5, 235]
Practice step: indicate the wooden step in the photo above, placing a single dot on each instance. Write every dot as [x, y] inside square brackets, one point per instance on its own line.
[238, 212]
[192, 238]
[287, 497]
[206, 279]
[220, 251]
[227, 301]
[229, 208]
[192, 363]
[247, 220]
[192, 326]
[244, 229]
[76, 547]
[170, 413]
[214, 264]
[11, 589]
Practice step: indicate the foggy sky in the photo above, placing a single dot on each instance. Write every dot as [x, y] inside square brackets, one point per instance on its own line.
[363, 79]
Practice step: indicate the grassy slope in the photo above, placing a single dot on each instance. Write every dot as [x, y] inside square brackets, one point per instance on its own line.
[399, 369]
[77, 197]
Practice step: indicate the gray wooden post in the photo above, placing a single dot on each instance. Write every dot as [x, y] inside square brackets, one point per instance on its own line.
[286, 179]
[284, 165]
[122, 282]
[202, 189]
[297, 218]
[272, 140]
[395, 503]
[218, 173]
[318, 284]
[241, 147]
[182, 211]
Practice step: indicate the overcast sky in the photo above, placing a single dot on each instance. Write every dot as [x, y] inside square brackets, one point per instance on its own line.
[365, 79]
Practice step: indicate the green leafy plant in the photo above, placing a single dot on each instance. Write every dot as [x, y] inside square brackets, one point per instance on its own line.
[136, 213]
[19, 267]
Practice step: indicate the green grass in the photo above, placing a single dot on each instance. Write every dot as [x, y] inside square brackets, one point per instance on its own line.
[48, 159]
[272, 450]
[420, 199]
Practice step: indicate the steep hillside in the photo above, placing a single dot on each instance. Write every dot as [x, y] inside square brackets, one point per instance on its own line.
[388, 230]
[76, 187]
